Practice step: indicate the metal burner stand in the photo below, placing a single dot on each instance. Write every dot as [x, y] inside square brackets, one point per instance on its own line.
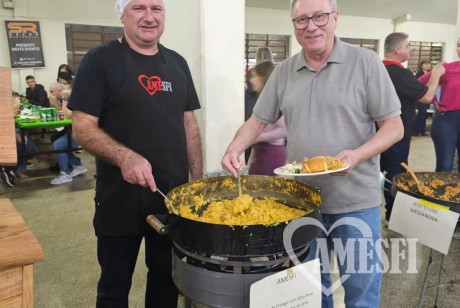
[216, 288]
[438, 285]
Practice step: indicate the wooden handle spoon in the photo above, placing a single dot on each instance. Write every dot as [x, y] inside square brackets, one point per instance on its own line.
[420, 187]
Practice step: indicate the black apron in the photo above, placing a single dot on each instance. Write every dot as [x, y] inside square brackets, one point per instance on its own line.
[146, 114]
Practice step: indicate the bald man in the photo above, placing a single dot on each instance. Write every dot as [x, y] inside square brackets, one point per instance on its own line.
[409, 90]
[133, 103]
[69, 165]
[55, 96]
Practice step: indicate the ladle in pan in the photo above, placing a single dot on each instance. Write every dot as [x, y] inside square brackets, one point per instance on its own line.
[239, 183]
[175, 211]
[420, 187]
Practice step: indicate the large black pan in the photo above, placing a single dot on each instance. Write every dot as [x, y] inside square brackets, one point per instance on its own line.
[403, 182]
[252, 240]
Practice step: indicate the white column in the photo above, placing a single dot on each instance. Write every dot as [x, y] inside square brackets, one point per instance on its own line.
[210, 35]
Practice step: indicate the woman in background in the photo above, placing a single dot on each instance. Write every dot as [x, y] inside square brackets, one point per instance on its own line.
[65, 68]
[420, 120]
[66, 80]
[65, 75]
[269, 151]
[263, 54]
[445, 128]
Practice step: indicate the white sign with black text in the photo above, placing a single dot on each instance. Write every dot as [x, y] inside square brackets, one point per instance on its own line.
[433, 224]
[298, 286]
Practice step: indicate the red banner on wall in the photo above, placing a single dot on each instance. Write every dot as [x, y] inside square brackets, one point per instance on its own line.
[25, 44]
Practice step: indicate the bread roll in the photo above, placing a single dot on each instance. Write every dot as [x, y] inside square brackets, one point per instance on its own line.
[317, 164]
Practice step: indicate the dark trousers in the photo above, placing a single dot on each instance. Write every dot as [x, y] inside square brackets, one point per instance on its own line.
[445, 132]
[117, 257]
[420, 119]
[390, 162]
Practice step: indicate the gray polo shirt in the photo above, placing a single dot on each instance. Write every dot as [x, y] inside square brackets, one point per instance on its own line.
[330, 110]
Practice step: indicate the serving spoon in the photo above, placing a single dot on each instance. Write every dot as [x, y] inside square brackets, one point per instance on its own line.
[420, 187]
[175, 211]
[239, 183]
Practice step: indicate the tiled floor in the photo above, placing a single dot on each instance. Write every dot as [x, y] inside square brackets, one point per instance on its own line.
[61, 218]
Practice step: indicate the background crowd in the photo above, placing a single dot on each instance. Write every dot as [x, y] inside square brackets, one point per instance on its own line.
[68, 165]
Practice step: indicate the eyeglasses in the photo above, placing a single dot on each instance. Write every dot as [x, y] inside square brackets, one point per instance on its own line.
[320, 20]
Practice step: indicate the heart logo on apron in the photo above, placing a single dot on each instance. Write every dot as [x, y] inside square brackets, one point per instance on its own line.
[151, 84]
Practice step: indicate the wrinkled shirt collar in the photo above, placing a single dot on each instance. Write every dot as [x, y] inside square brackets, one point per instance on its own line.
[336, 55]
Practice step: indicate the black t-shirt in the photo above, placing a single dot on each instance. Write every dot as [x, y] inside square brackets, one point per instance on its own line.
[409, 91]
[101, 73]
[116, 84]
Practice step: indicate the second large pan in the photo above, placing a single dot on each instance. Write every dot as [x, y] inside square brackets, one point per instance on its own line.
[404, 183]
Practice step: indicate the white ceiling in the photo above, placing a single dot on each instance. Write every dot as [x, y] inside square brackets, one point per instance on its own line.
[433, 11]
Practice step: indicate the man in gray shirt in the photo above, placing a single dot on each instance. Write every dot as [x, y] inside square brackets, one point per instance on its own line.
[331, 95]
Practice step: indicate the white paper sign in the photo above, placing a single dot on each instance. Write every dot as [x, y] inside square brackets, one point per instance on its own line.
[298, 286]
[431, 223]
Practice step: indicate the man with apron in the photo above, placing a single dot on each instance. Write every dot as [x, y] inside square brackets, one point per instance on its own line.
[133, 103]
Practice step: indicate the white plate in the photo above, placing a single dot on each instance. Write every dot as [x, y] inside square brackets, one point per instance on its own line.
[279, 171]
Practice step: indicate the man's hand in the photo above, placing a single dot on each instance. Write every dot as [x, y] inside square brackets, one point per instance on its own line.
[246, 136]
[231, 162]
[137, 170]
[350, 158]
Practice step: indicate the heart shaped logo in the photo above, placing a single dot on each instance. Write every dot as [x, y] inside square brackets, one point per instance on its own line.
[151, 84]
[359, 224]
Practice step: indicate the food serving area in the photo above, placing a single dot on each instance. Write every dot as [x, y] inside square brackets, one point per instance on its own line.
[61, 219]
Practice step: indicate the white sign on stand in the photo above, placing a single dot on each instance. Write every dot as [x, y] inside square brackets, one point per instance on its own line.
[298, 286]
[431, 223]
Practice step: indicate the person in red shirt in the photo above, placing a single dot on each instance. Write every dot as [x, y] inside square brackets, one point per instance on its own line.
[445, 128]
